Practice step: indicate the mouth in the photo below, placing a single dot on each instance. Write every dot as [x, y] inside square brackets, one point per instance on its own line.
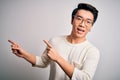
[80, 30]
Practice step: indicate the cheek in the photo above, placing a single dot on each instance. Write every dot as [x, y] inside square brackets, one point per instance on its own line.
[89, 29]
[73, 25]
[73, 28]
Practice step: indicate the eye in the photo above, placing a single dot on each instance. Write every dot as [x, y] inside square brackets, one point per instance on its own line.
[79, 18]
[89, 22]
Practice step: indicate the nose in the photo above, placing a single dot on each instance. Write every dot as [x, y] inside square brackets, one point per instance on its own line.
[82, 23]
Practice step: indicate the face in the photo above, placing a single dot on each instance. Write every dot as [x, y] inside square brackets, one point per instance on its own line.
[82, 23]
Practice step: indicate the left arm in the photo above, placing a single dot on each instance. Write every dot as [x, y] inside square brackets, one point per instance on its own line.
[53, 55]
[67, 68]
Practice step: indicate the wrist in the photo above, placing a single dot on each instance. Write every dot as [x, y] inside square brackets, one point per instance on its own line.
[59, 59]
[25, 54]
[30, 58]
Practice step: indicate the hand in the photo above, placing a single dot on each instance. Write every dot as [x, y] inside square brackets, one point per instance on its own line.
[51, 52]
[17, 49]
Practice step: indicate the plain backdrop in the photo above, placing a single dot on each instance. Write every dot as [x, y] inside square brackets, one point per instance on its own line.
[29, 22]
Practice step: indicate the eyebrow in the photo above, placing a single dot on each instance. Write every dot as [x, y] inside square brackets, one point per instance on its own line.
[82, 17]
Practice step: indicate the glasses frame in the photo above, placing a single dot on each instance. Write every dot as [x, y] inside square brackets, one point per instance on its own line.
[87, 22]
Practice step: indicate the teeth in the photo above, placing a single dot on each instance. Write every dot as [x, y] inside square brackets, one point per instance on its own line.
[83, 30]
[80, 29]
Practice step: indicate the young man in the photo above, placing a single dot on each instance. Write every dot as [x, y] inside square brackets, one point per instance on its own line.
[71, 56]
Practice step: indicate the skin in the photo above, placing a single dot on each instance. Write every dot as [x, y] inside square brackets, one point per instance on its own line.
[78, 35]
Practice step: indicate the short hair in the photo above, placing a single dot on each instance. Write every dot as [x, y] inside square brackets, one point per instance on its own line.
[87, 7]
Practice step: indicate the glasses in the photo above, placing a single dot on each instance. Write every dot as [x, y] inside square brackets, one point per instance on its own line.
[87, 22]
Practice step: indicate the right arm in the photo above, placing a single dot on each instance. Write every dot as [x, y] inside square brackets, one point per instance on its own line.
[20, 52]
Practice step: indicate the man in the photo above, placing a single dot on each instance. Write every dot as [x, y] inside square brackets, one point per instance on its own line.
[71, 56]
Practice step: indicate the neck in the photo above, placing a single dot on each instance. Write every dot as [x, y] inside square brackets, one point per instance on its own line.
[75, 40]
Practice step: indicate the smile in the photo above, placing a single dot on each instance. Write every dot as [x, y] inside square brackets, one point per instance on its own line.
[81, 30]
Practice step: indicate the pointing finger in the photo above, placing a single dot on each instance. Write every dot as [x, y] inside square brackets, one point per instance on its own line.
[48, 44]
[12, 42]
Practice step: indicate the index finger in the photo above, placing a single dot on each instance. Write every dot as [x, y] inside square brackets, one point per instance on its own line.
[48, 44]
[12, 42]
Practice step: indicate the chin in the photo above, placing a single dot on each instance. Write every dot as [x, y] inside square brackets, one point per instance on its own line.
[79, 36]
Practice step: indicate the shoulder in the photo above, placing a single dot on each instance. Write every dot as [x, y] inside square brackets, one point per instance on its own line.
[92, 49]
[57, 38]
[91, 46]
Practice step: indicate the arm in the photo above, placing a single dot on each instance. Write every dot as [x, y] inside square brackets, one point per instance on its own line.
[20, 52]
[89, 64]
[67, 68]
[53, 55]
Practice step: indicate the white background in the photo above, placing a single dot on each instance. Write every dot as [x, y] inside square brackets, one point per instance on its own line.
[29, 22]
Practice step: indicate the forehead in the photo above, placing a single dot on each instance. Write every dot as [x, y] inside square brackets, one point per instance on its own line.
[85, 14]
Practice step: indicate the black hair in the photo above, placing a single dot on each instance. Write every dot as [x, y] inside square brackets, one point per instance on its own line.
[87, 7]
